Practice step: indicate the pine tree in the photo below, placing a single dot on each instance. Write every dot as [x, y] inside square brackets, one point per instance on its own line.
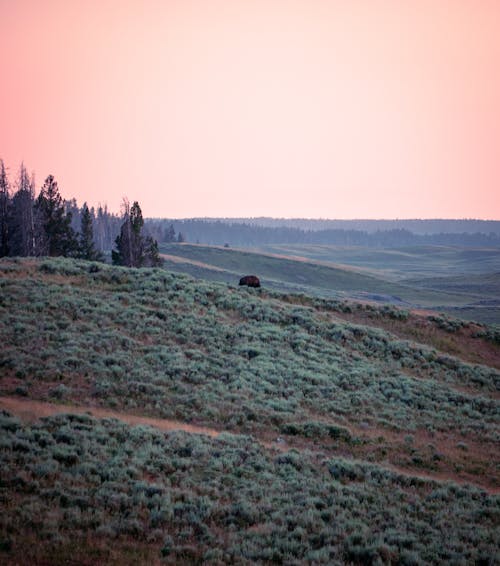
[71, 207]
[86, 241]
[151, 253]
[132, 248]
[137, 241]
[169, 234]
[56, 236]
[123, 255]
[100, 228]
[21, 220]
[4, 211]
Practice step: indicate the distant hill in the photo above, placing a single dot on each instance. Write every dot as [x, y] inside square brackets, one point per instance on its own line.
[404, 277]
[416, 226]
[371, 233]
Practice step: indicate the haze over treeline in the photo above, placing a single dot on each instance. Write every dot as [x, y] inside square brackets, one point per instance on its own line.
[22, 213]
[387, 233]
[415, 225]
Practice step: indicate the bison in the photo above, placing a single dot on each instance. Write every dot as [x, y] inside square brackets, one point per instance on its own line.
[250, 281]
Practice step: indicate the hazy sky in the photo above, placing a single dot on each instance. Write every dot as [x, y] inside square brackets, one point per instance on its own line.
[290, 108]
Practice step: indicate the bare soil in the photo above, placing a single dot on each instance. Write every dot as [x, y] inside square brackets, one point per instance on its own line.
[30, 411]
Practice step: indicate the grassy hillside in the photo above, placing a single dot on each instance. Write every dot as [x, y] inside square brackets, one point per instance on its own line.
[300, 271]
[487, 284]
[401, 263]
[346, 411]
[376, 275]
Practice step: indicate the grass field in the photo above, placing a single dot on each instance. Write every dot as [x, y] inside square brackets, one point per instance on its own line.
[348, 432]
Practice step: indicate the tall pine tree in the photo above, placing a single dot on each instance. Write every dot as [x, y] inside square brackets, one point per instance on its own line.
[21, 220]
[132, 248]
[86, 244]
[4, 211]
[56, 237]
[151, 253]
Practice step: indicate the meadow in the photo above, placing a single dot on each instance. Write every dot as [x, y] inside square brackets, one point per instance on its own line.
[351, 432]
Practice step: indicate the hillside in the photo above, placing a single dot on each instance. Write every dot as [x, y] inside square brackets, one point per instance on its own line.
[317, 415]
[402, 263]
[405, 277]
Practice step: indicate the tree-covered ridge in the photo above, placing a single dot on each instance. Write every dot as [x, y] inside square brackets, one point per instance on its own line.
[417, 225]
[246, 232]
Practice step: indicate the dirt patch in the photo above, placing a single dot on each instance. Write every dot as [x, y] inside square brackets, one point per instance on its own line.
[30, 411]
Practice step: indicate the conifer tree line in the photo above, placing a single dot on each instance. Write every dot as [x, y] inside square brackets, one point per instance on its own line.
[46, 225]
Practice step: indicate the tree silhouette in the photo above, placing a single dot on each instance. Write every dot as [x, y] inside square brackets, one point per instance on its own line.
[21, 220]
[86, 244]
[132, 248]
[55, 236]
[4, 211]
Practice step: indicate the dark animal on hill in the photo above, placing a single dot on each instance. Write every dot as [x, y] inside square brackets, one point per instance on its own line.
[250, 281]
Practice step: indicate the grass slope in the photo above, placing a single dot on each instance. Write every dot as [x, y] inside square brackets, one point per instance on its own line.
[486, 284]
[363, 415]
[401, 263]
[217, 263]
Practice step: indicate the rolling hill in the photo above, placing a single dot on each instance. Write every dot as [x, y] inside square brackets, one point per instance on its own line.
[403, 262]
[384, 276]
[309, 429]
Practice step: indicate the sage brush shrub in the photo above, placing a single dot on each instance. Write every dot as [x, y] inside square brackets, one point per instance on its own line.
[144, 338]
[179, 348]
[197, 496]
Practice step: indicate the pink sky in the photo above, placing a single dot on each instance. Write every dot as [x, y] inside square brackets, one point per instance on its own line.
[289, 108]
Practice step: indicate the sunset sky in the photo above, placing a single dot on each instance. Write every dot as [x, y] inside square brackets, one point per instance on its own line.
[286, 108]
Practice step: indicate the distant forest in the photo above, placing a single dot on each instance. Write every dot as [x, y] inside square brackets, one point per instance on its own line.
[417, 226]
[46, 224]
[252, 232]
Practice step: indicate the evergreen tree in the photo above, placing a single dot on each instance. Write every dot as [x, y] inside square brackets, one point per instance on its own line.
[101, 229]
[71, 207]
[21, 220]
[132, 248]
[151, 253]
[169, 234]
[86, 243]
[137, 240]
[57, 237]
[125, 246]
[4, 211]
